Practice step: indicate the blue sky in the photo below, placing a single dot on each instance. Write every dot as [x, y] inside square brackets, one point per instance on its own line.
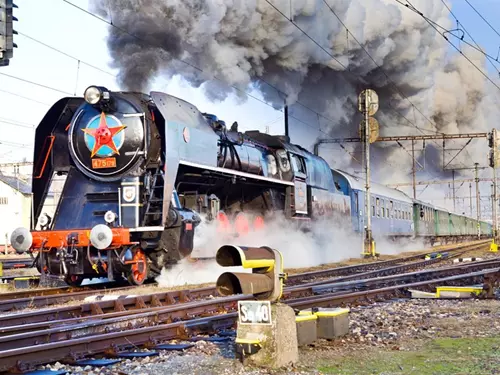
[70, 30]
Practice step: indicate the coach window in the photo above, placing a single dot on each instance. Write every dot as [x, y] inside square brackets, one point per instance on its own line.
[383, 208]
[378, 207]
[391, 212]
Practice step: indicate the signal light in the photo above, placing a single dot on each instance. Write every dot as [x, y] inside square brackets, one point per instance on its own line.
[7, 31]
[266, 280]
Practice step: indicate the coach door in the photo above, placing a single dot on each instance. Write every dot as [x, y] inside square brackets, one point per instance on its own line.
[300, 190]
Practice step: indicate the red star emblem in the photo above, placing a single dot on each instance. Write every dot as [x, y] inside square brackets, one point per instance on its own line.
[103, 135]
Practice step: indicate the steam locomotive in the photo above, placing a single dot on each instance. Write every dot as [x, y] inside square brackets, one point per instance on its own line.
[137, 172]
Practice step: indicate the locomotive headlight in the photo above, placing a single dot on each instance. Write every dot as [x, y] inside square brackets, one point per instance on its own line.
[109, 217]
[95, 94]
[92, 95]
[101, 236]
[21, 240]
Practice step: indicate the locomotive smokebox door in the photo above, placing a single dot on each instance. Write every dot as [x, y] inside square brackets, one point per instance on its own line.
[130, 201]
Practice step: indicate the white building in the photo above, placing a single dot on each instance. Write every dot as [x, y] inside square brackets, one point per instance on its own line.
[15, 206]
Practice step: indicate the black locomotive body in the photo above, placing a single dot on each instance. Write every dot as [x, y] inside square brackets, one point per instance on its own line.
[137, 171]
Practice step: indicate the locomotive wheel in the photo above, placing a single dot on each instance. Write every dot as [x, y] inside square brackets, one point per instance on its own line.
[74, 280]
[139, 269]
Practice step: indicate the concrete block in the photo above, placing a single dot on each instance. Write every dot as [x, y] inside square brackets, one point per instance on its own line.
[458, 291]
[307, 330]
[277, 341]
[332, 322]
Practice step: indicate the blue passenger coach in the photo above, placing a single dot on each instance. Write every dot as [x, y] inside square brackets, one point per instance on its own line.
[391, 209]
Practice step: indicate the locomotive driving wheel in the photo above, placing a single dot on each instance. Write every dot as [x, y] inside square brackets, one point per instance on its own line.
[139, 267]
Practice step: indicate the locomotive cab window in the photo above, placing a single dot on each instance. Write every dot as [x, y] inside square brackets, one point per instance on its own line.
[299, 166]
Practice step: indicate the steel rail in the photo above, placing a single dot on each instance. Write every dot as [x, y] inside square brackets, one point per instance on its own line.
[47, 297]
[133, 302]
[118, 304]
[61, 330]
[290, 292]
[347, 270]
[392, 270]
[76, 347]
[69, 291]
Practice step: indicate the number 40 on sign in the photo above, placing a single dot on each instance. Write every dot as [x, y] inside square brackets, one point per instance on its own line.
[254, 312]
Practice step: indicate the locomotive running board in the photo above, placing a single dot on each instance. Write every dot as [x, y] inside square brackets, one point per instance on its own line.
[237, 173]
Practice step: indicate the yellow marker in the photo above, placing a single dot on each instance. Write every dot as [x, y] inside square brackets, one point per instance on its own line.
[493, 246]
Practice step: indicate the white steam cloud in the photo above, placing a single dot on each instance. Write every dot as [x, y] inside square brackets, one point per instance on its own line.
[328, 241]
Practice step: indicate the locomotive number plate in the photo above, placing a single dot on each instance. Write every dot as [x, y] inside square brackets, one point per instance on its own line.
[254, 312]
[103, 163]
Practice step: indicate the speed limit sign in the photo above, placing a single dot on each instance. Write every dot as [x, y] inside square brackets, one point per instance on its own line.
[254, 312]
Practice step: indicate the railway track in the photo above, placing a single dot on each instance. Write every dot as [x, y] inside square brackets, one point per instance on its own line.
[46, 297]
[149, 322]
[112, 325]
[115, 334]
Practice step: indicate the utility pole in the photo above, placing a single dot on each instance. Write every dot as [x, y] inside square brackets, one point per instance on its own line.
[368, 105]
[413, 170]
[287, 132]
[493, 143]
[470, 198]
[478, 206]
[453, 187]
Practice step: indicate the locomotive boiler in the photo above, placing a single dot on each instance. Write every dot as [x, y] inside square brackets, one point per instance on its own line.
[122, 179]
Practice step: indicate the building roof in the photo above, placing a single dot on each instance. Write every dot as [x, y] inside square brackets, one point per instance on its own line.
[377, 189]
[17, 184]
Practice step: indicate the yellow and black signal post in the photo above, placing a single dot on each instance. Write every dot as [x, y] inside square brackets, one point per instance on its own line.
[266, 280]
[258, 320]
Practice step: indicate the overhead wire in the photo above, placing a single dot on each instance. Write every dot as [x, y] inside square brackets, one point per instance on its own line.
[66, 54]
[24, 97]
[459, 24]
[484, 19]
[36, 84]
[198, 68]
[411, 7]
[435, 26]
[393, 84]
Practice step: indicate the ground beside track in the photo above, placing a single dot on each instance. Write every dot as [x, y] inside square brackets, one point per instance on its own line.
[392, 338]
[421, 337]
